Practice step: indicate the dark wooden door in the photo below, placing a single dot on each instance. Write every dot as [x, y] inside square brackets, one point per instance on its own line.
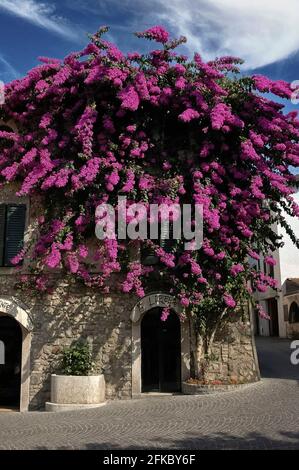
[273, 313]
[10, 371]
[257, 323]
[160, 352]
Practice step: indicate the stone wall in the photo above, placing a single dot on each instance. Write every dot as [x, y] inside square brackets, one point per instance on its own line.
[292, 328]
[71, 313]
[233, 357]
[74, 312]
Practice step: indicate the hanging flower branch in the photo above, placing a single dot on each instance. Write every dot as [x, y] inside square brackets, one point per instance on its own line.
[157, 128]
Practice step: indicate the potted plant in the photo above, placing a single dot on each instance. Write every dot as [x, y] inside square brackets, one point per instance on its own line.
[76, 387]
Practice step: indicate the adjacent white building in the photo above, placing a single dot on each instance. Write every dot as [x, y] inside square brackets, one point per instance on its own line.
[291, 306]
[289, 254]
[289, 266]
[282, 305]
[271, 301]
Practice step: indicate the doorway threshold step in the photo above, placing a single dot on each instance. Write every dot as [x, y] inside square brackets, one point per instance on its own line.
[7, 409]
[155, 394]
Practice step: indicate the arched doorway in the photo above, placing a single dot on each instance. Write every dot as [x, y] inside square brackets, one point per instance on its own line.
[16, 321]
[160, 352]
[294, 313]
[148, 303]
[11, 363]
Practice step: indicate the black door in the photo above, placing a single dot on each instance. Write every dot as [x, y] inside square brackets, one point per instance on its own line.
[273, 313]
[160, 352]
[10, 371]
[257, 323]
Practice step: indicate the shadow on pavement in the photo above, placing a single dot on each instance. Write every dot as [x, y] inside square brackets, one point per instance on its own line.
[253, 440]
[274, 356]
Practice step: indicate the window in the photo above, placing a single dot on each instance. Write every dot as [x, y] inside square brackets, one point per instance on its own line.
[166, 241]
[294, 313]
[268, 269]
[271, 271]
[12, 227]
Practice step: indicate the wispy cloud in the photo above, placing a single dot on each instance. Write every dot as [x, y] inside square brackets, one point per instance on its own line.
[40, 14]
[260, 31]
[7, 71]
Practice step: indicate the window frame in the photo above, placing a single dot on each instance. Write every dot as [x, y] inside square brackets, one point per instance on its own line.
[4, 261]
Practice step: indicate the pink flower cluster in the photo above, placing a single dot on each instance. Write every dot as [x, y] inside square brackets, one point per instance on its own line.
[156, 33]
[159, 128]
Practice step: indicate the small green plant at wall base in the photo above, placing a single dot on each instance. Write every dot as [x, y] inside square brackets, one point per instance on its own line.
[76, 360]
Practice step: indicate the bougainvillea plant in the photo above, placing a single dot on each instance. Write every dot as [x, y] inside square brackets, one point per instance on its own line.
[155, 128]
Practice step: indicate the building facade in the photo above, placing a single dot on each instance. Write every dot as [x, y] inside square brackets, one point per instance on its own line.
[271, 301]
[289, 266]
[289, 253]
[291, 307]
[136, 352]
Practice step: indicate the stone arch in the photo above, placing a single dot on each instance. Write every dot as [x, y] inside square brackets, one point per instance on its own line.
[16, 309]
[156, 299]
[294, 313]
[12, 307]
[9, 124]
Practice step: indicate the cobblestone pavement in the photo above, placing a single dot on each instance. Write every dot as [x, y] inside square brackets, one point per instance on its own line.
[260, 416]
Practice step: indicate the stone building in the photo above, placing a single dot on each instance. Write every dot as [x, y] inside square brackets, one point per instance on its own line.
[136, 352]
[289, 253]
[274, 302]
[289, 261]
[271, 301]
[291, 307]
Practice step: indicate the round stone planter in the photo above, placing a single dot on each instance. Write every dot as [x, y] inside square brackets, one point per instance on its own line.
[71, 392]
[197, 389]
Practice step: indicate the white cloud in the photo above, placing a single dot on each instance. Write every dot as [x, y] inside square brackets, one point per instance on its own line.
[7, 71]
[40, 14]
[259, 31]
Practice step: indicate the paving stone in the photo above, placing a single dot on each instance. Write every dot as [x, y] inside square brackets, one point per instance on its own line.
[260, 416]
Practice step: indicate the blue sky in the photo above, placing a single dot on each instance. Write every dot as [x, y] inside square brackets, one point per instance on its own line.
[264, 32]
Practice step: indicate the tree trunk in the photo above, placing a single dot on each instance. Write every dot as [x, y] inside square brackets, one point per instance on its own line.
[203, 351]
[199, 354]
[202, 345]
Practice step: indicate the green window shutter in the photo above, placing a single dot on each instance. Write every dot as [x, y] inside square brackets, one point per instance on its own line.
[2, 232]
[14, 233]
[148, 256]
[167, 243]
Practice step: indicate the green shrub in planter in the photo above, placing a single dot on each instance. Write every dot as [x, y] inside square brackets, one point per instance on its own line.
[76, 360]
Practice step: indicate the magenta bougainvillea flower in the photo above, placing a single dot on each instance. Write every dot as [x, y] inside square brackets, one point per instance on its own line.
[156, 127]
